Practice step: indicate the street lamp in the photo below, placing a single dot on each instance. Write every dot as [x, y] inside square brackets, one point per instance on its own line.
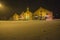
[1, 5]
[2, 9]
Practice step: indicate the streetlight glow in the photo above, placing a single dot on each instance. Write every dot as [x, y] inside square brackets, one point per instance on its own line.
[0, 5]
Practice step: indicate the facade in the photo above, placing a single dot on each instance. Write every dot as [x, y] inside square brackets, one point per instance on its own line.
[39, 14]
[27, 15]
[16, 17]
[42, 13]
[23, 16]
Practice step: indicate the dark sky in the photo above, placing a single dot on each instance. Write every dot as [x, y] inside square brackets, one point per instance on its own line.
[21, 5]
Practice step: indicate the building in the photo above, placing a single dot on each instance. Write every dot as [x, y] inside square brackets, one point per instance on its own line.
[41, 14]
[27, 15]
[21, 16]
[16, 17]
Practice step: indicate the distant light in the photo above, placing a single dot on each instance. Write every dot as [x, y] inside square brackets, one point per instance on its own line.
[0, 5]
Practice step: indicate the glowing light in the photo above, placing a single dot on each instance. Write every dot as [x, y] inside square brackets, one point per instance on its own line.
[0, 5]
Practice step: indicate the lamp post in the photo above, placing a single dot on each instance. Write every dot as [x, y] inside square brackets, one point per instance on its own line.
[2, 10]
[1, 6]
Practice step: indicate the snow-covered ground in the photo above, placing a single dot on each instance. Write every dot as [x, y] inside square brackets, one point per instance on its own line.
[30, 30]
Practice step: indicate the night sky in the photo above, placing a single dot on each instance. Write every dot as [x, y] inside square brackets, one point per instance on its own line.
[19, 6]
